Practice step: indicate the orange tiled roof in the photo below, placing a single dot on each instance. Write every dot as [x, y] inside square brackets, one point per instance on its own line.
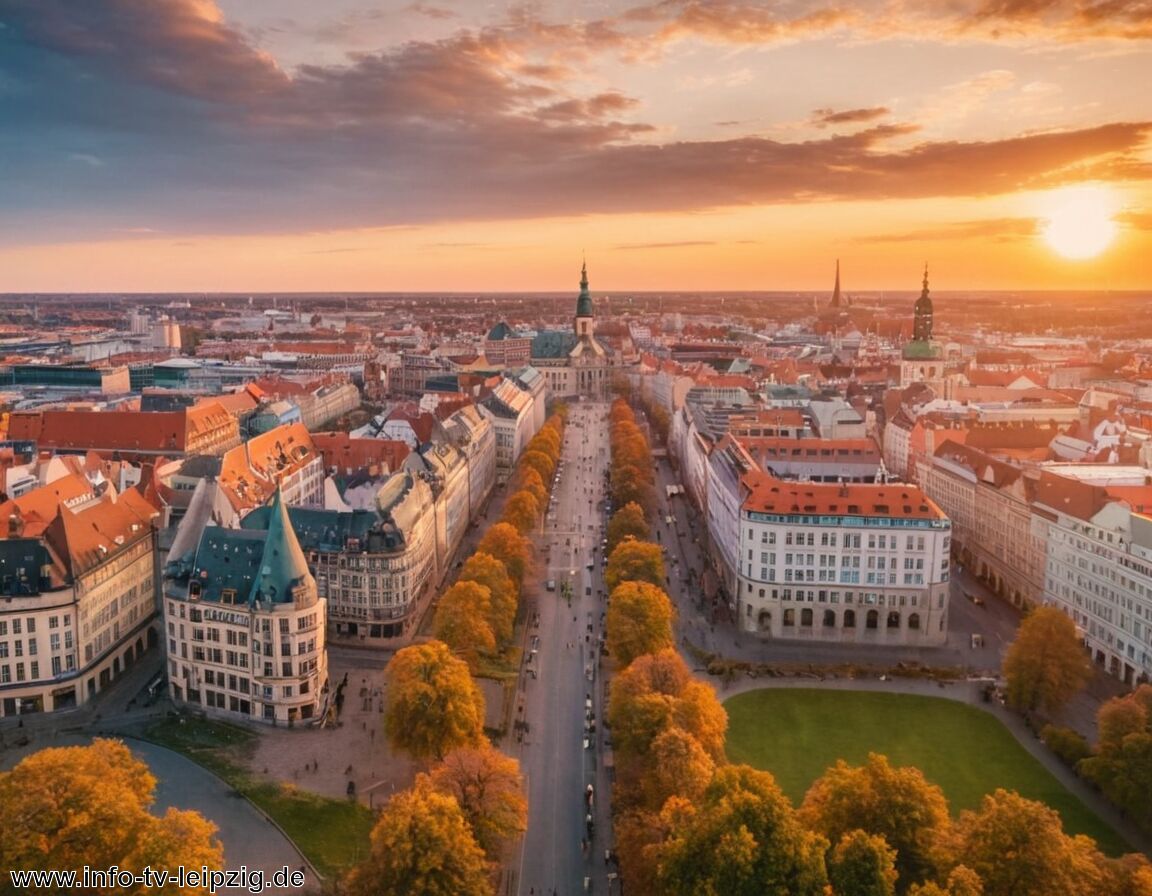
[767, 494]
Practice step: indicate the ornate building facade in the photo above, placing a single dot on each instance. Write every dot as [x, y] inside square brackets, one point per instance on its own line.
[575, 364]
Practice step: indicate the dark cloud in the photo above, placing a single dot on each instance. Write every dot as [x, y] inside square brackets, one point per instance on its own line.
[824, 117]
[995, 229]
[194, 131]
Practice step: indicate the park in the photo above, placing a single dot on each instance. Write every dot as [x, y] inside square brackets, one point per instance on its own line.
[796, 734]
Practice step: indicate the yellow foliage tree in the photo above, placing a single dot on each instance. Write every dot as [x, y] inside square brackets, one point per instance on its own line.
[639, 620]
[542, 463]
[627, 522]
[528, 480]
[634, 561]
[899, 804]
[522, 512]
[67, 807]
[433, 705]
[490, 791]
[461, 621]
[503, 542]
[1046, 665]
[486, 570]
[422, 846]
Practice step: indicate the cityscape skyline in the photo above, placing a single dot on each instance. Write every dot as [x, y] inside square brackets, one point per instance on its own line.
[392, 146]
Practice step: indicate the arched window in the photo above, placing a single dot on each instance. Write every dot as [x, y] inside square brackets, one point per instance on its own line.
[914, 621]
[872, 620]
[893, 620]
[829, 618]
[849, 619]
[806, 617]
[789, 617]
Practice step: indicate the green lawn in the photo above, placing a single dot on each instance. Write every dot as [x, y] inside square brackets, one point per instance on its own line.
[797, 733]
[333, 834]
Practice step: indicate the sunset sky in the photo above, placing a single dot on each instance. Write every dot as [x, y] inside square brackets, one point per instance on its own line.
[298, 145]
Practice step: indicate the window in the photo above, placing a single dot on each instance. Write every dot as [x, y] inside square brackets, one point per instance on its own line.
[789, 617]
[53, 621]
[894, 619]
[829, 618]
[849, 619]
[914, 621]
[872, 620]
[806, 617]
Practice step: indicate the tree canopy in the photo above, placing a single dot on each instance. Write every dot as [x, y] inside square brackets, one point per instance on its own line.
[1046, 665]
[462, 621]
[634, 561]
[503, 542]
[422, 846]
[627, 522]
[67, 807]
[490, 791]
[742, 839]
[899, 804]
[432, 704]
[486, 570]
[862, 864]
[522, 511]
[639, 621]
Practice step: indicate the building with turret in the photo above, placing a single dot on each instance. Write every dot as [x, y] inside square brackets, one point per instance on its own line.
[243, 622]
[574, 363]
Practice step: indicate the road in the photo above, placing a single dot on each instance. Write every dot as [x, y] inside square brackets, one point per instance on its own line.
[557, 766]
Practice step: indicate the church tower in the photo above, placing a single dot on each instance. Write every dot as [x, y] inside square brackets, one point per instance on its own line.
[583, 322]
[922, 314]
[836, 289]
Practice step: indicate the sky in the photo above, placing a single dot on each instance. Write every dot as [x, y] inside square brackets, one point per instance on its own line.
[412, 145]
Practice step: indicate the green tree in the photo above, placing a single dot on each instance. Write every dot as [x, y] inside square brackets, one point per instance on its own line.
[862, 864]
[461, 621]
[634, 561]
[627, 522]
[1124, 774]
[743, 839]
[67, 807]
[522, 512]
[422, 846]
[433, 705]
[503, 542]
[1018, 848]
[486, 570]
[1046, 664]
[639, 621]
[899, 804]
[490, 791]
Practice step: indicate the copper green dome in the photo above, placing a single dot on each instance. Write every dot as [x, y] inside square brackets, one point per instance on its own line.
[584, 302]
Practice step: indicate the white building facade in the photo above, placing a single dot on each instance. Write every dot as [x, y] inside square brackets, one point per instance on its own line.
[859, 563]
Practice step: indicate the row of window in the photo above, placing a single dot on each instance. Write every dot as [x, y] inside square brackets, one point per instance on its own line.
[825, 596]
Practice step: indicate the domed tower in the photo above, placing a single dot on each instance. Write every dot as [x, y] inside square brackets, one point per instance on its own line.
[922, 314]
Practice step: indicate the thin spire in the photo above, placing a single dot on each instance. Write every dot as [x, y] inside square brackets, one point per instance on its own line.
[925, 292]
[836, 290]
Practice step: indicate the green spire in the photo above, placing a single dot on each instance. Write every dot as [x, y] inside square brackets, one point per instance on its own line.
[283, 565]
[584, 302]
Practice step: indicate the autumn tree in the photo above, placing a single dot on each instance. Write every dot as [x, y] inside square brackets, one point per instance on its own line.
[678, 766]
[522, 512]
[742, 839]
[503, 542]
[528, 480]
[422, 846]
[67, 807]
[862, 864]
[486, 570]
[490, 791]
[627, 522]
[962, 881]
[899, 804]
[639, 620]
[657, 692]
[433, 705]
[1122, 766]
[1018, 848]
[634, 561]
[542, 463]
[461, 621]
[1046, 665]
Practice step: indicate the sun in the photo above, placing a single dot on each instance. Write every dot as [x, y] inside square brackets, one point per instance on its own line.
[1078, 221]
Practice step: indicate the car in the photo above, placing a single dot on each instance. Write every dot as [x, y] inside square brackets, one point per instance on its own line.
[551, 586]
